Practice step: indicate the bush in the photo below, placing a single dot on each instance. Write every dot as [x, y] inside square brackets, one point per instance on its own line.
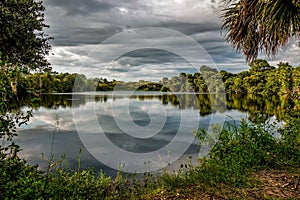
[239, 151]
[19, 180]
[244, 149]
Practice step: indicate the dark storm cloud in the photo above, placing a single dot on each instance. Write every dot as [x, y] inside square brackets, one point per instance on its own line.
[80, 7]
[89, 7]
[190, 28]
[120, 69]
[97, 32]
[77, 36]
[76, 22]
[79, 26]
[149, 56]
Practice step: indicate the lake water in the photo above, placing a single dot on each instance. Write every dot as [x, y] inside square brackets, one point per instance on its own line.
[131, 131]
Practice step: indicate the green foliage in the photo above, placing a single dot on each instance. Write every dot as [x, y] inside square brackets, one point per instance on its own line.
[19, 180]
[23, 47]
[260, 65]
[290, 142]
[23, 41]
[10, 117]
[244, 149]
[207, 80]
[140, 85]
[262, 79]
[239, 151]
[53, 82]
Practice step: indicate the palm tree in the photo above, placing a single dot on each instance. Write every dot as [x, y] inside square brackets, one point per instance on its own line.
[255, 26]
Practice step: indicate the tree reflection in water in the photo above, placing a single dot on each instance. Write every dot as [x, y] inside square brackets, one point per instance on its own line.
[258, 107]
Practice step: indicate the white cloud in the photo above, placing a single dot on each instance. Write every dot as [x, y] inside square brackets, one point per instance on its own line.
[79, 28]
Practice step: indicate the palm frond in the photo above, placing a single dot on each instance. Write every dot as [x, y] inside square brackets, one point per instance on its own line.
[260, 25]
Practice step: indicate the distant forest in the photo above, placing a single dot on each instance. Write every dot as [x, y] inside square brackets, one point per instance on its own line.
[260, 79]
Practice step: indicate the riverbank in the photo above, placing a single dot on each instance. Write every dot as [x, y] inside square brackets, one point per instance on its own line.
[263, 184]
[247, 162]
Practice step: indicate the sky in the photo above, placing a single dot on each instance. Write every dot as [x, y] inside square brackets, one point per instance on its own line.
[134, 40]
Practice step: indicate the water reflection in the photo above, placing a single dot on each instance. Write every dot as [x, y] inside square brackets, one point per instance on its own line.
[199, 109]
[206, 103]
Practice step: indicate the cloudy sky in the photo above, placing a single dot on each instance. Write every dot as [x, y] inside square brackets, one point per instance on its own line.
[142, 39]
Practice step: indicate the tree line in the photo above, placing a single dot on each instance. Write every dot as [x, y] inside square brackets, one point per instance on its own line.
[261, 78]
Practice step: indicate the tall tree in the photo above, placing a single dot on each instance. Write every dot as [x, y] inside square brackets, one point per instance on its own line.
[23, 47]
[23, 40]
[255, 26]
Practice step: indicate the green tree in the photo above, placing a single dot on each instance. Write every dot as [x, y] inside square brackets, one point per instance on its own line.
[23, 40]
[285, 78]
[260, 25]
[260, 65]
[23, 46]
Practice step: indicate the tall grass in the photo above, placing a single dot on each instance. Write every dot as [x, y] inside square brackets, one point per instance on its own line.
[239, 151]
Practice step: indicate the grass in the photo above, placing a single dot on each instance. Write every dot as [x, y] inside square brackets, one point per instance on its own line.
[244, 164]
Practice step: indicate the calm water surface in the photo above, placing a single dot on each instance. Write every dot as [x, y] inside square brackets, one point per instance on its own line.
[140, 123]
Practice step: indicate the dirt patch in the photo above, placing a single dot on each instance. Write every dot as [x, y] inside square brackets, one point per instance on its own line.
[279, 184]
[267, 184]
